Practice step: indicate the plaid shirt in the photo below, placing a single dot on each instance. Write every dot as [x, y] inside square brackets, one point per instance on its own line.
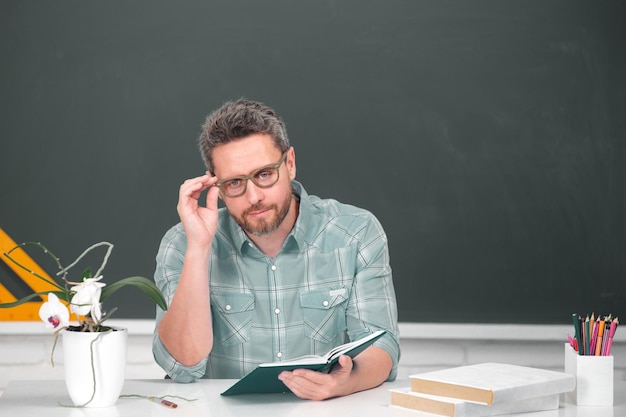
[331, 283]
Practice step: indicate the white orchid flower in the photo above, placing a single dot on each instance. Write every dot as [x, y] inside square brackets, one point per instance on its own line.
[96, 312]
[54, 313]
[87, 298]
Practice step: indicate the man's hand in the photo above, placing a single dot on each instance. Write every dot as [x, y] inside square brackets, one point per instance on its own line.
[200, 223]
[312, 385]
[368, 370]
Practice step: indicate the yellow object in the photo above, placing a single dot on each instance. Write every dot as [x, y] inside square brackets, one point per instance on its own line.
[29, 310]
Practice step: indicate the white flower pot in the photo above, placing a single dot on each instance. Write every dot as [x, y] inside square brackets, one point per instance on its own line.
[102, 362]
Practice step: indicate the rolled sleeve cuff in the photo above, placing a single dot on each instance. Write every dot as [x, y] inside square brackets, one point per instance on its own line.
[390, 345]
[174, 369]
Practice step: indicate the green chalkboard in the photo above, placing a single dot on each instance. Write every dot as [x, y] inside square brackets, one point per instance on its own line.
[488, 136]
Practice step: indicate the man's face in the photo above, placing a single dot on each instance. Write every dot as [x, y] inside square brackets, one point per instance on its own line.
[259, 211]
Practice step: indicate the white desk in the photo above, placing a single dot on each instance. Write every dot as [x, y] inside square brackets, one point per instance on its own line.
[42, 398]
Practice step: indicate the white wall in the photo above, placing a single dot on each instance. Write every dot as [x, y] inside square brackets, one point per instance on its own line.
[25, 349]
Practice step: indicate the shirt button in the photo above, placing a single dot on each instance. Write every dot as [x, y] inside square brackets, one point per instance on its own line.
[228, 307]
[279, 354]
[325, 303]
[277, 311]
[273, 267]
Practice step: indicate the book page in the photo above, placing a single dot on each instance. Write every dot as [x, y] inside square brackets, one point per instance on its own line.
[301, 360]
[328, 357]
[341, 349]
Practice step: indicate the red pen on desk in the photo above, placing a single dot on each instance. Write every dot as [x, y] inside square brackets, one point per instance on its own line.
[163, 402]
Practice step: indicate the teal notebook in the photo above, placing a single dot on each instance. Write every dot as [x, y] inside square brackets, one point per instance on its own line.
[264, 378]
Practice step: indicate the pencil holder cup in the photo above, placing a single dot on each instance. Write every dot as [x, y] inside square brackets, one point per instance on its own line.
[594, 377]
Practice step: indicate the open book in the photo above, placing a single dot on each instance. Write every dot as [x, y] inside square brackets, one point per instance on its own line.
[264, 378]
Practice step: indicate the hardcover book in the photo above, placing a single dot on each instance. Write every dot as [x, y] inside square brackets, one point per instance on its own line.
[451, 407]
[492, 383]
[264, 378]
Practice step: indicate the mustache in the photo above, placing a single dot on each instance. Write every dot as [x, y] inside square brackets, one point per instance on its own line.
[258, 207]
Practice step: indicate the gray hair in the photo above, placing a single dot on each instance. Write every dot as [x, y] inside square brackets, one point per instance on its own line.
[237, 120]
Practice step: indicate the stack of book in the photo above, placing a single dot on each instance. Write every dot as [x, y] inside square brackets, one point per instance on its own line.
[485, 389]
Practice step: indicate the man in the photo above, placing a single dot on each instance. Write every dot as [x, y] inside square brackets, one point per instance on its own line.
[273, 275]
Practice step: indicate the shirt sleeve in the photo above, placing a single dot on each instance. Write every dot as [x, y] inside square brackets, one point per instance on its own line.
[175, 370]
[373, 303]
[169, 262]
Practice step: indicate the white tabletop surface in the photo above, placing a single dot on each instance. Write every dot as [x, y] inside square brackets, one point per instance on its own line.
[47, 397]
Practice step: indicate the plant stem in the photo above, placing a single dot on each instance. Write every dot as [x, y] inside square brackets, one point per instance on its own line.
[93, 366]
[30, 271]
[85, 252]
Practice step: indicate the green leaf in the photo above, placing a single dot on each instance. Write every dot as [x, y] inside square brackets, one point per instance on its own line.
[144, 284]
[86, 274]
[61, 294]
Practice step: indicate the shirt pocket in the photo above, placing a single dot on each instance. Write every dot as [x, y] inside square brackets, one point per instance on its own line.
[232, 317]
[324, 313]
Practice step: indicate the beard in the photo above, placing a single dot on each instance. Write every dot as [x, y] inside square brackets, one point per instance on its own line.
[264, 227]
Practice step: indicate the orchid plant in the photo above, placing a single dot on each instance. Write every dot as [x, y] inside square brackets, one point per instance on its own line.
[84, 297]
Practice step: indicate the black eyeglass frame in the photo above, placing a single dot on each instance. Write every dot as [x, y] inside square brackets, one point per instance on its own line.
[252, 175]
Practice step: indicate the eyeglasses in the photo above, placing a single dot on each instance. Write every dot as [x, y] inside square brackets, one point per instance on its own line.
[263, 177]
